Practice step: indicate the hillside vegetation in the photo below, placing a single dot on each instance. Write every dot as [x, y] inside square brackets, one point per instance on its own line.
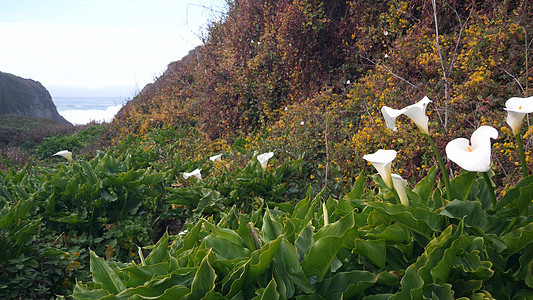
[268, 66]
[248, 169]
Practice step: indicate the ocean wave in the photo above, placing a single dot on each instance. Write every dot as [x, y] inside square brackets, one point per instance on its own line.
[81, 117]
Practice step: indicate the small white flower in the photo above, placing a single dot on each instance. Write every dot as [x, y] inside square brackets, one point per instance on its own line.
[263, 159]
[386, 55]
[416, 112]
[286, 108]
[66, 154]
[399, 185]
[184, 232]
[302, 123]
[517, 108]
[473, 155]
[217, 157]
[381, 160]
[385, 32]
[348, 81]
[196, 173]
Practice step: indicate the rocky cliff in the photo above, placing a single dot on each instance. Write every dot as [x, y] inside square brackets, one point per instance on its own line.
[26, 97]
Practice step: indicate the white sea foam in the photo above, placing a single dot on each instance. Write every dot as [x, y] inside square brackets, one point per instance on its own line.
[80, 117]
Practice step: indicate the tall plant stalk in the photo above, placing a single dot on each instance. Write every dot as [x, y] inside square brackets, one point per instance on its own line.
[445, 175]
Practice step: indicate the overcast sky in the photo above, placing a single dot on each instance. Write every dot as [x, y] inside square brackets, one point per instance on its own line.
[99, 47]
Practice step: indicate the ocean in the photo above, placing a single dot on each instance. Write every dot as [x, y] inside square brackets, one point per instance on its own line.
[82, 110]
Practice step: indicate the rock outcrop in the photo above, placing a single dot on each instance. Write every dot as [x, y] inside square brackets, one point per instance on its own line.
[26, 97]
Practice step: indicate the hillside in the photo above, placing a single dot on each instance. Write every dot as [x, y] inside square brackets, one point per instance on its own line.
[268, 66]
[26, 97]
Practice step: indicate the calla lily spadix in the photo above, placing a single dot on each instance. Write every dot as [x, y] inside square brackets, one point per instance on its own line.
[263, 159]
[381, 160]
[65, 153]
[196, 173]
[517, 108]
[399, 185]
[473, 155]
[217, 157]
[416, 112]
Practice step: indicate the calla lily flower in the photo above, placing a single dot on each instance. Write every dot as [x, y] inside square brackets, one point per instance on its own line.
[517, 108]
[416, 112]
[217, 157]
[66, 154]
[196, 173]
[263, 159]
[381, 160]
[399, 185]
[473, 155]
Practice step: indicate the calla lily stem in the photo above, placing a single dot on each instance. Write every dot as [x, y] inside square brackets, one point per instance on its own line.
[491, 189]
[522, 155]
[445, 175]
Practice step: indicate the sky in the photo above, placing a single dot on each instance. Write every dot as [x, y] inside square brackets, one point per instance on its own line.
[99, 48]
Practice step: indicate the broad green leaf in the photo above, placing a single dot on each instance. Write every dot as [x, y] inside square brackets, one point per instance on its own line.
[287, 267]
[471, 211]
[424, 188]
[519, 238]
[204, 280]
[304, 240]
[225, 233]
[430, 266]
[510, 207]
[320, 255]
[347, 285]
[225, 248]
[374, 250]
[103, 274]
[271, 228]
[461, 185]
[159, 252]
[418, 219]
[514, 193]
[270, 292]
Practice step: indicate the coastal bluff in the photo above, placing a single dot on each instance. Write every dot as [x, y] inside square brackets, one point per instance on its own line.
[26, 97]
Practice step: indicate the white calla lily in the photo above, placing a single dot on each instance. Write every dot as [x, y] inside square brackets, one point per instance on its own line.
[416, 112]
[263, 159]
[196, 173]
[473, 155]
[381, 160]
[399, 185]
[65, 153]
[517, 108]
[217, 157]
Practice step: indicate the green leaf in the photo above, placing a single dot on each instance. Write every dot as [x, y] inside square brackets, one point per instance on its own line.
[159, 252]
[515, 203]
[271, 228]
[347, 285]
[103, 274]
[374, 250]
[320, 255]
[471, 211]
[462, 184]
[418, 219]
[204, 280]
[519, 238]
[287, 267]
[424, 188]
[434, 264]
